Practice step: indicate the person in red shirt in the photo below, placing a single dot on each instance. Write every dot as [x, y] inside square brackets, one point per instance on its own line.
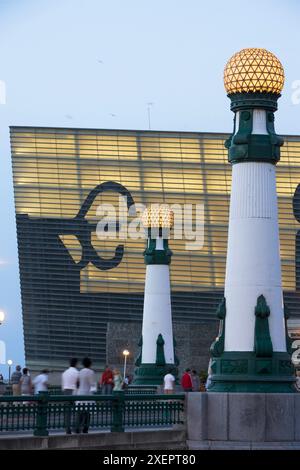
[107, 381]
[186, 381]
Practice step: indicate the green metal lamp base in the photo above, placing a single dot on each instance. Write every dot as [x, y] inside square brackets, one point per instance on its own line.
[152, 374]
[241, 371]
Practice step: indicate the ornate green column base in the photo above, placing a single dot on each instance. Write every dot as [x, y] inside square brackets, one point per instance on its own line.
[243, 371]
[152, 374]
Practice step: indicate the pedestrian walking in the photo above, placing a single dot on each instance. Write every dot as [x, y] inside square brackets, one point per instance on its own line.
[15, 381]
[87, 384]
[186, 381]
[107, 381]
[40, 382]
[169, 382]
[69, 385]
[70, 378]
[195, 381]
[25, 382]
[209, 375]
[118, 380]
[2, 385]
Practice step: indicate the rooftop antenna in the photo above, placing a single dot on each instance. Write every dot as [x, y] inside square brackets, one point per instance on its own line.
[149, 113]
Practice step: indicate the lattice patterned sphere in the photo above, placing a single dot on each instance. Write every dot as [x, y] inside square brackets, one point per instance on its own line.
[253, 70]
[159, 216]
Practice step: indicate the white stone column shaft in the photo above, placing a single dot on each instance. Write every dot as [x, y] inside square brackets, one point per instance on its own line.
[157, 317]
[253, 255]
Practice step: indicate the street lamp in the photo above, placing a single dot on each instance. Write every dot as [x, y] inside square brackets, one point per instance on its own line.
[2, 317]
[125, 354]
[253, 343]
[157, 342]
[9, 363]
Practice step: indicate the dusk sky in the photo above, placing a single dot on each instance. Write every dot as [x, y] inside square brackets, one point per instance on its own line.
[95, 63]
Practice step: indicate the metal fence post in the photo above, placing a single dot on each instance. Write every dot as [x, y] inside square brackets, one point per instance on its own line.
[117, 411]
[40, 428]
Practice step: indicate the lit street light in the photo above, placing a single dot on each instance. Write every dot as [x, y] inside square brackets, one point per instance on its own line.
[9, 362]
[125, 354]
[2, 317]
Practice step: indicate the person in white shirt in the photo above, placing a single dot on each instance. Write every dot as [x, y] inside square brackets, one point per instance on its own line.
[40, 382]
[209, 375]
[70, 378]
[69, 385]
[87, 385]
[169, 382]
[87, 378]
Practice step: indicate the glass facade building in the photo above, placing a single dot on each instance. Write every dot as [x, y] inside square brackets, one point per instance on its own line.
[73, 283]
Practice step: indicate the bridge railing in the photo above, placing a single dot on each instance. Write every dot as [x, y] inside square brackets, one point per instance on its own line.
[56, 390]
[141, 389]
[45, 412]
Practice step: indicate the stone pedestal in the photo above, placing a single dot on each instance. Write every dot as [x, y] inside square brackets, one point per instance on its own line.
[243, 420]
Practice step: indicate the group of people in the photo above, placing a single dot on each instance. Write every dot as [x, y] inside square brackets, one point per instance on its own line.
[74, 381]
[22, 384]
[112, 380]
[83, 382]
[190, 382]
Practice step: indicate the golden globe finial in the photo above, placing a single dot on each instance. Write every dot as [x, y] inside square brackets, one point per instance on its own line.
[253, 70]
[158, 216]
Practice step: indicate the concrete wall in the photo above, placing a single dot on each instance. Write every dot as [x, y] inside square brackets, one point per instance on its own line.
[243, 421]
[155, 440]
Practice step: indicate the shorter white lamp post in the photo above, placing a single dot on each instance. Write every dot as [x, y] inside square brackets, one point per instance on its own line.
[125, 354]
[9, 363]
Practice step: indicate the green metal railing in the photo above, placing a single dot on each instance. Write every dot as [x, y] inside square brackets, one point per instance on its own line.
[45, 412]
[130, 389]
[141, 390]
[53, 390]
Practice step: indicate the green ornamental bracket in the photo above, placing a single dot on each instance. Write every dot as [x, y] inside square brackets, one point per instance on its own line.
[262, 340]
[217, 347]
[160, 352]
[244, 146]
[154, 256]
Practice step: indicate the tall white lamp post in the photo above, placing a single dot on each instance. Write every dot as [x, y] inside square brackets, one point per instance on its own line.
[157, 343]
[252, 350]
[125, 354]
[9, 363]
